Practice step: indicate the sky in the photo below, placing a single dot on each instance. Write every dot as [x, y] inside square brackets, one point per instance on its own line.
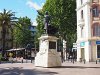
[23, 7]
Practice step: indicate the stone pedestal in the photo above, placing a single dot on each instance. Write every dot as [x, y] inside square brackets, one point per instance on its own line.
[48, 55]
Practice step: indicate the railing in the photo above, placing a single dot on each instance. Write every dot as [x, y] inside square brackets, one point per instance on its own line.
[96, 19]
[95, 1]
[81, 22]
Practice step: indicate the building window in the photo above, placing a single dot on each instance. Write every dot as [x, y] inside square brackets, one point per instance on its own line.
[96, 30]
[82, 14]
[82, 32]
[98, 51]
[95, 12]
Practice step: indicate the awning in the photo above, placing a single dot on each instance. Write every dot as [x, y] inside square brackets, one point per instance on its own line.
[16, 49]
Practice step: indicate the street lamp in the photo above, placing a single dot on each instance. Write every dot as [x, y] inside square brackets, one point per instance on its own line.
[61, 46]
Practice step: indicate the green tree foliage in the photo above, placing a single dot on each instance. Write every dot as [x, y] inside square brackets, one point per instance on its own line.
[6, 20]
[63, 16]
[22, 33]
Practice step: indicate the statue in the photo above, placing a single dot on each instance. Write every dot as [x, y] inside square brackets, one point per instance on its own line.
[49, 29]
[46, 21]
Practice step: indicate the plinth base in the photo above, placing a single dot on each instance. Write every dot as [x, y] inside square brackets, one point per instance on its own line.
[49, 58]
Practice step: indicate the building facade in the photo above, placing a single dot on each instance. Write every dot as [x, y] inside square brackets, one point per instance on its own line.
[33, 30]
[88, 29]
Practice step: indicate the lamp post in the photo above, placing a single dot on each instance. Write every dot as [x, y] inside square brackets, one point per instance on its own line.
[60, 46]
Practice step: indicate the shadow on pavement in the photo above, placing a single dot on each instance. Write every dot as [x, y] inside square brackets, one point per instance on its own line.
[80, 67]
[21, 71]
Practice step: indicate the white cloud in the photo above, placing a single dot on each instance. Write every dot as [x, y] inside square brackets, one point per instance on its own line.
[33, 5]
[42, 4]
[34, 23]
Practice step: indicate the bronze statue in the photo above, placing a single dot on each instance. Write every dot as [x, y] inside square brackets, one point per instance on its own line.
[46, 22]
[49, 29]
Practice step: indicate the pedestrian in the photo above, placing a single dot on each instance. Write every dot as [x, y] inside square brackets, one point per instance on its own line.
[67, 56]
[11, 57]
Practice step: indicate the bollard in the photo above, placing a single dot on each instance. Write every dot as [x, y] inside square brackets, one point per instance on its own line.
[84, 61]
[73, 61]
[62, 60]
[96, 61]
[22, 60]
[12, 61]
[31, 60]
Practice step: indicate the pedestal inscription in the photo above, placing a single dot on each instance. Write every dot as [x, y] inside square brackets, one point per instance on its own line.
[52, 45]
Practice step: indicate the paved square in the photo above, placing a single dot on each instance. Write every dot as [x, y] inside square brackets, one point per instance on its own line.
[67, 68]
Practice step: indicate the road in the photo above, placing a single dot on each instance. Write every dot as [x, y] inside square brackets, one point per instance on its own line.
[23, 69]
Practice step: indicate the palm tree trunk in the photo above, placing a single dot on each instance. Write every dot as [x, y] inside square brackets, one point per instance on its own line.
[3, 39]
[12, 38]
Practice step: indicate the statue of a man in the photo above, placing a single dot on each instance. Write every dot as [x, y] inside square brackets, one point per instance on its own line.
[46, 22]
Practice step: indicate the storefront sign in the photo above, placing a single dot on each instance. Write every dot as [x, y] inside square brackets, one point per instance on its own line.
[97, 42]
[82, 44]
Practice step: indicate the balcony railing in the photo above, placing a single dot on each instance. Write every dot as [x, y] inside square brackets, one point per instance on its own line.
[95, 1]
[81, 21]
[96, 18]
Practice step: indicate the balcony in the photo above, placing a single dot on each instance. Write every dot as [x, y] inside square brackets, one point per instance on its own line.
[81, 22]
[96, 19]
[95, 2]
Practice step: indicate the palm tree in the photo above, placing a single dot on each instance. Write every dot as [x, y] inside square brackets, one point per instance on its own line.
[6, 18]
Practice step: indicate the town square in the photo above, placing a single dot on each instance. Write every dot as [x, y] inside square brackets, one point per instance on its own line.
[49, 37]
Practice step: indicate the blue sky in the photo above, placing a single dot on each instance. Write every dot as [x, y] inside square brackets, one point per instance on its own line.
[23, 7]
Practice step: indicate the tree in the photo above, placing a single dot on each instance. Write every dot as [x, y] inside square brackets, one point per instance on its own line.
[6, 18]
[22, 33]
[63, 16]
